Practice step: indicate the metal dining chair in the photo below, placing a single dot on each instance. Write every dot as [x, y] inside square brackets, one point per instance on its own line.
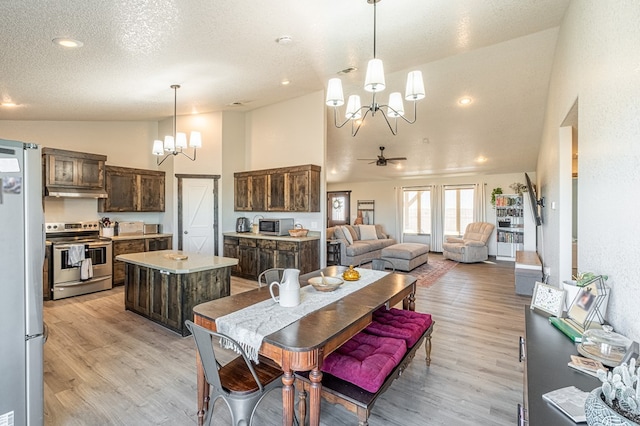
[379, 264]
[240, 383]
[268, 276]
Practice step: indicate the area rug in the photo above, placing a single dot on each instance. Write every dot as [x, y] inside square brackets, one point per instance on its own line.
[431, 271]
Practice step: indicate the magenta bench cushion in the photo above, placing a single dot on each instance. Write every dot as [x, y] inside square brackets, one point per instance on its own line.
[399, 324]
[365, 360]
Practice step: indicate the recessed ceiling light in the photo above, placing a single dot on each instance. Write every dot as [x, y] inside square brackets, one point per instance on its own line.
[481, 159]
[9, 104]
[465, 100]
[285, 82]
[67, 42]
[284, 40]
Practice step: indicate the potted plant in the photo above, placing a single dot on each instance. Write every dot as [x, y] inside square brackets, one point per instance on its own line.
[617, 401]
[496, 191]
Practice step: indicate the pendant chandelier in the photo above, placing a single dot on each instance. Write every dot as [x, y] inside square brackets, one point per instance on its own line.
[176, 143]
[374, 83]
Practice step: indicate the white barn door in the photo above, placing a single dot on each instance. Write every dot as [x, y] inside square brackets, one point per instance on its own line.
[198, 216]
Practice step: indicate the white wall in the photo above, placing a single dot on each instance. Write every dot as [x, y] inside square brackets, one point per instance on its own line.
[598, 62]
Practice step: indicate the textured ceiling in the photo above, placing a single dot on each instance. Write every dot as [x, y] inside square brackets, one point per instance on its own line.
[499, 52]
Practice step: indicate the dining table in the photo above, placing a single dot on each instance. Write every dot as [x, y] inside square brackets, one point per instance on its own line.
[304, 344]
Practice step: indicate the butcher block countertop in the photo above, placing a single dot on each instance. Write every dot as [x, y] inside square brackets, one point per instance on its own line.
[170, 261]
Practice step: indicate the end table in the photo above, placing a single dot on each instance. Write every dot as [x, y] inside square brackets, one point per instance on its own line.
[333, 252]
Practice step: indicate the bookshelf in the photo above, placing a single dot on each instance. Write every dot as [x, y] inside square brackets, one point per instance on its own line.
[509, 225]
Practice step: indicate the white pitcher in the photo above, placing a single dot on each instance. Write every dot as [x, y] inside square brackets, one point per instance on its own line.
[288, 289]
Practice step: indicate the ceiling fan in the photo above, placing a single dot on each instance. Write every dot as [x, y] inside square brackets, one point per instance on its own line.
[382, 160]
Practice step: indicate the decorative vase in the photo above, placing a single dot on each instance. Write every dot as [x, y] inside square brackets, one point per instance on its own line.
[598, 413]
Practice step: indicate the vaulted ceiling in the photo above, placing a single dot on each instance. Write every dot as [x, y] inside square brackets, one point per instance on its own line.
[225, 55]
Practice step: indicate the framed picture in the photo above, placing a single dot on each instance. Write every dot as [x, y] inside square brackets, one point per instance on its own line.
[548, 299]
[585, 306]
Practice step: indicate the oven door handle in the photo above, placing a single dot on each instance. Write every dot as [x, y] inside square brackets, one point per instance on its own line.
[78, 283]
[97, 244]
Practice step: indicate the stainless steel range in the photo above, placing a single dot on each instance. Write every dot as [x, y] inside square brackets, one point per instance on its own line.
[71, 241]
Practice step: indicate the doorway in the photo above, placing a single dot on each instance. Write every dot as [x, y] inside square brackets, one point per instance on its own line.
[568, 180]
[338, 208]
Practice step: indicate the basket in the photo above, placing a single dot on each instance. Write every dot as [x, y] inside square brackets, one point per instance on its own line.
[298, 232]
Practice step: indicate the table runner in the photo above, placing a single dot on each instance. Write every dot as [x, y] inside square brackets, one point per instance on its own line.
[250, 325]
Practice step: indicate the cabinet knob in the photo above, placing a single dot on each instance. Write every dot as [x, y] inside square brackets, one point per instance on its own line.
[186, 232]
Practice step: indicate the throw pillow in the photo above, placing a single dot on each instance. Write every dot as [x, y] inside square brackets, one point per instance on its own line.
[368, 232]
[354, 233]
[347, 235]
[338, 234]
[380, 233]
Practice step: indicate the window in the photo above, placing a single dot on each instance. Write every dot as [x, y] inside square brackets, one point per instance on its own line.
[417, 211]
[458, 209]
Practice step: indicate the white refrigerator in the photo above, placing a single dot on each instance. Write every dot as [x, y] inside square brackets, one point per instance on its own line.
[21, 260]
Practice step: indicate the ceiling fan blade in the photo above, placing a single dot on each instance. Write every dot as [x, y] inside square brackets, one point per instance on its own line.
[397, 159]
[367, 159]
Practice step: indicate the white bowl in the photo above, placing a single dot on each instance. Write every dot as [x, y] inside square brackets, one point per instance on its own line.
[328, 284]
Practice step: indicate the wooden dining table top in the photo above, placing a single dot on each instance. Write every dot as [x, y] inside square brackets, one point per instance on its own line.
[320, 327]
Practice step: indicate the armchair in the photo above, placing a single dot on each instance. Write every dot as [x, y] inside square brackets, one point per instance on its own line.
[472, 247]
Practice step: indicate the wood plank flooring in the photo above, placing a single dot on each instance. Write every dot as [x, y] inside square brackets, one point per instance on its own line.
[108, 366]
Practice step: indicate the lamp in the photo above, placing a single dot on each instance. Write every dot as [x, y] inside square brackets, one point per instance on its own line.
[176, 143]
[374, 83]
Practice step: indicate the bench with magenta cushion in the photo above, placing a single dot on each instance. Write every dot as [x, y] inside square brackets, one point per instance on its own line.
[356, 374]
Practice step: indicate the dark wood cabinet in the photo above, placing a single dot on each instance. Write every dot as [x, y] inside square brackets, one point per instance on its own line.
[68, 169]
[137, 245]
[124, 247]
[230, 249]
[301, 194]
[241, 191]
[277, 200]
[133, 190]
[258, 254]
[284, 189]
[158, 243]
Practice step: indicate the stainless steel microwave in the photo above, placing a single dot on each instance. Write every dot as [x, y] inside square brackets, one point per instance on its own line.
[275, 226]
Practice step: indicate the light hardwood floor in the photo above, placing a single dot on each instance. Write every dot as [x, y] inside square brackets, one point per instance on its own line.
[108, 366]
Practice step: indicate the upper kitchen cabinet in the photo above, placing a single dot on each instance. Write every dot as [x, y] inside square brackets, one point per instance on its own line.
[250, 192]
[71, 173]
[133, 190]
[286, 189]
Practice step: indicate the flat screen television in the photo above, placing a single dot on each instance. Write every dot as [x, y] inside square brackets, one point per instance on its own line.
[534, 201]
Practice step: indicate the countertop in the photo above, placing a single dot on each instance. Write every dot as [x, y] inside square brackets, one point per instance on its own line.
[139, 236]
[161, 260]
[310, 237]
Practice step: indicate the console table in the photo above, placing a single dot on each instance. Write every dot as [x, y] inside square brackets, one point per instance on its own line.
[546, 351]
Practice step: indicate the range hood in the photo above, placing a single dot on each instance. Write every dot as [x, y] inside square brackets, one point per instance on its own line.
[71, 192]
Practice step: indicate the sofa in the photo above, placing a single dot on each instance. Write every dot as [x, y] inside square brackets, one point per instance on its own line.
[363, 242]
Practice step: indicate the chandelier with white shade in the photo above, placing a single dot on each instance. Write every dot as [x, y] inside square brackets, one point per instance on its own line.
[375, 83]
[176, 143]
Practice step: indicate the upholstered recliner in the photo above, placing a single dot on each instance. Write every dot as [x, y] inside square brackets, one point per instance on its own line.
[472, 247]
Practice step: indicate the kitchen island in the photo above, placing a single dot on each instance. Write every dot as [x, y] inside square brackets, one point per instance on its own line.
[165, 285]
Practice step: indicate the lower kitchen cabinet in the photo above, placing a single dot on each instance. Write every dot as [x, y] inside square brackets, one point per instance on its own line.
[258, 253]
[121, 245]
